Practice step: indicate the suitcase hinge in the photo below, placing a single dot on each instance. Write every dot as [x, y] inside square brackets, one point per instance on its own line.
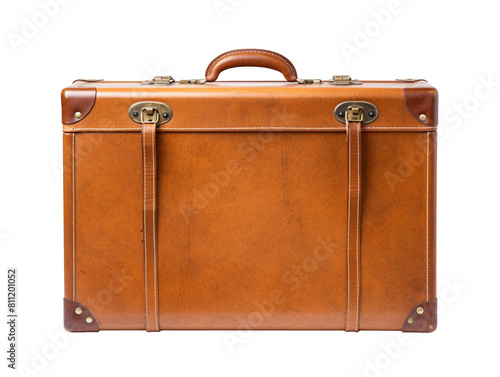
[160, 80]
[343, 80]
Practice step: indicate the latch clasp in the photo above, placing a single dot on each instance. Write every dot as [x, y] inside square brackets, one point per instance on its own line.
[150, 115]
[354, 113]
[160, 80]
[343, 80]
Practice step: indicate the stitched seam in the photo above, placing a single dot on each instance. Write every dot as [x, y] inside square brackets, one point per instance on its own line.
[209, 70]
[348, 223]
[427, 223]
[154, 226]
[144, 225]
[244, 128]
[73, 209]
[358, 135]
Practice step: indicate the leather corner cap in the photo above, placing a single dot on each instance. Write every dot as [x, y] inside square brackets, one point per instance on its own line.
[422, 100]
[77, 100]
[422, 318]
[77, 318]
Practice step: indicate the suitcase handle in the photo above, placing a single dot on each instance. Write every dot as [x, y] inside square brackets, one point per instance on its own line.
[250, 58]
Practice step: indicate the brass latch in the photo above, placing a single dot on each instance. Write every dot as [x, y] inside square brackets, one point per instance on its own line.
[356, 111]
[193, 81]
[150, 115]
[160, 80]
[344, 80]
[309, 81]
[354, 114]
[150, 112]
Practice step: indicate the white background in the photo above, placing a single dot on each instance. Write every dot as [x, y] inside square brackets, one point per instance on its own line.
[452, 44]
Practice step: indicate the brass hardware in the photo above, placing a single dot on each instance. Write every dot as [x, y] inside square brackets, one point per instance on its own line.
[89, 320]
[160, 80]
[344, 80]
[78, 115]
[78, 310]
[309, 81]
[410, 320]
[420, 310]
[368, 115]
[150, 115]
[88, 80]
[193, 81]
[422, 117]
[150, 112]
[354, 114]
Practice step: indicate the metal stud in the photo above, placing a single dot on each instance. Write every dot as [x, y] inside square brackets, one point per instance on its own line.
[78, 115]
[420, 310]
[422, 117]
[89, 320]
[410, 320]
[78, 310]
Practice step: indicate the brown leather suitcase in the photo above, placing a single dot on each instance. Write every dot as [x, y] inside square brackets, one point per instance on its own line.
[297, 204]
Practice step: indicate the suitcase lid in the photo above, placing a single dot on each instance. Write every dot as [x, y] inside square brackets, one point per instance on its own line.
[207, 105]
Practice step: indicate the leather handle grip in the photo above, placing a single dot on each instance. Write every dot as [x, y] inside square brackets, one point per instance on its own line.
[250, 58]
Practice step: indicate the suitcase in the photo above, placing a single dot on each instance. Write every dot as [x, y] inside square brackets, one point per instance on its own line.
[301, 204]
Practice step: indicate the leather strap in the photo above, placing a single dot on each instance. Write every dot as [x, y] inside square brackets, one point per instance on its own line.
[149, 225]
[353, 224]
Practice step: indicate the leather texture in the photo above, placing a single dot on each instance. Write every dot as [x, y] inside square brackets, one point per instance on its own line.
[252, 208]
[353, 224]
[251, 58]
[149, 230]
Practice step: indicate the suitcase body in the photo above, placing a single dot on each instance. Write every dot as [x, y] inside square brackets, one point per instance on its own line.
[250, 205]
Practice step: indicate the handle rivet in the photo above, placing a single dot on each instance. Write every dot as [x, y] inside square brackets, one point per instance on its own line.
[422, 117]
[165, 115]
[420, 310]
[78, 310]
[136, 114]
[78, 115]
[89, 320]
[341, 114]
[410, 320]
[371, 114]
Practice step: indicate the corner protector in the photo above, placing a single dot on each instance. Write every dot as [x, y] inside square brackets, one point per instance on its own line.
[422, 103]
[77, 318]
[77, 100]
[422, 318]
